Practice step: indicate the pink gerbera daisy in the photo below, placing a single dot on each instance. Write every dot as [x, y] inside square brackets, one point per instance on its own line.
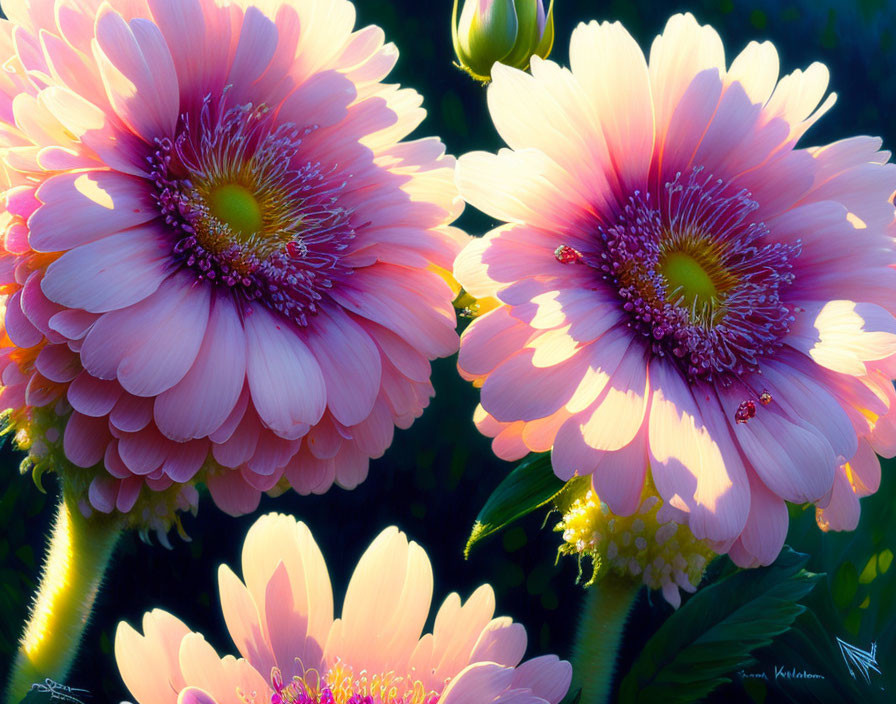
[220, 262]
[281, 620]
[683, 290]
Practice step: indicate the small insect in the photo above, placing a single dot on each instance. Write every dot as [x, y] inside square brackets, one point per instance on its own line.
[745, 411]
[59, 692]
[567, 255]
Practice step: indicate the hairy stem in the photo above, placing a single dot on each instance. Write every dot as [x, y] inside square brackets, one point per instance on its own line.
[76, 559]
[607, 607]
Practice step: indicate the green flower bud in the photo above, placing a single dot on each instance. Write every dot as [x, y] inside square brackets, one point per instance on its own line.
[509, 31]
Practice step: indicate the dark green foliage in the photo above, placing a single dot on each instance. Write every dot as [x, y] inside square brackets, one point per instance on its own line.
[701, 644]
[530, 486]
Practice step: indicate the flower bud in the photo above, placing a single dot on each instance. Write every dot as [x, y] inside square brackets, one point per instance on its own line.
[509, 31]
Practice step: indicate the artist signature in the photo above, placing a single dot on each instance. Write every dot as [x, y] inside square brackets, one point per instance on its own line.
[779, 672]
[858, 662]
[857, 659]
[60, 692]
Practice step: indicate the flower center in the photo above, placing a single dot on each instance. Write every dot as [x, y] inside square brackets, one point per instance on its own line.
[250, 211]
[341, 685]
[687, 280]
[698, 277]
[237, 207]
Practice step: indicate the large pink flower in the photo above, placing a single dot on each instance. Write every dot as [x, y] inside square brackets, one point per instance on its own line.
[684, 290]
[219, 257]
[281, 620]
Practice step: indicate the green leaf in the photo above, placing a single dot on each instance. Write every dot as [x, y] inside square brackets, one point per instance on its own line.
[716, 631]
[528, 487]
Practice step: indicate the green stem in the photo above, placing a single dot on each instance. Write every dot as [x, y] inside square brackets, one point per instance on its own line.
[607, 607]
[74, 565]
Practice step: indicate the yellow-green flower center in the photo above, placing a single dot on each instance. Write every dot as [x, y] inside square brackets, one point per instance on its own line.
[687, 279]
[236, 206]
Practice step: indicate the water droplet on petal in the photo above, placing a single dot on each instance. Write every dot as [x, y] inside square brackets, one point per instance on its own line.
[567, 255]
[745, 411]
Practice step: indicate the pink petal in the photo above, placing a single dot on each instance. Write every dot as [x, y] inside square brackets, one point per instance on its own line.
[103, 493]
[619, 477]
[200, 402]
[843, 335]
[138, 72]
[865, 470]
[112, 273]
[128, 493]
[230, 424]
[501, 641]
[374, 434]
[262, 482]
[73, 324]
[693, 460]
[842, 511]
[482, 681]
[622, 406]
[39, 309]
[324, 440]
[803, 399]
[195, 695]
[231, 494]
[93, 397]
[240, 446]
[407, 360]
[143, 452]
[519, 390]
[185, 459]
[150, 346]
[489, 340]
[571, 455]
[82, 207]
[791, 457]
[766, 526]
[682, 51]
[41, 391]
[350, 363]
[272, 453]
[131, 413]
[612, 71]
[255, 48]
[350, 465]
[85, 439]
[103, 134]
[396, 299]
[547, 677]
[58, 363]
[287, 385]
[20, 330]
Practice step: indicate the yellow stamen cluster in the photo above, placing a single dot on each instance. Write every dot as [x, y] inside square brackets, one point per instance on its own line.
[641, 546]
[387, 688]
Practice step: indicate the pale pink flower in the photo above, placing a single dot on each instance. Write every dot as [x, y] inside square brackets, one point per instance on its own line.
[219, 257]
[280, 617]
[684, 290]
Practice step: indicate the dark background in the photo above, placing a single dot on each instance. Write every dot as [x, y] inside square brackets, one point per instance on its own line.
[437, 475]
